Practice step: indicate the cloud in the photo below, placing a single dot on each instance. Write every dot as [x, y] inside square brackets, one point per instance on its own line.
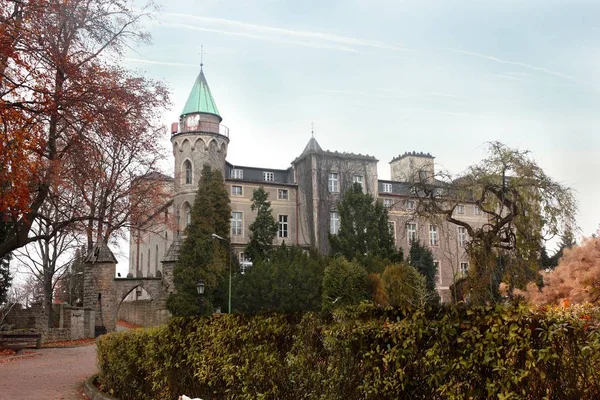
[172, 64]
[316, 37]
[516, 63]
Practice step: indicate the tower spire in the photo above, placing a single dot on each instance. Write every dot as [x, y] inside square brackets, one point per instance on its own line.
[201, 56]
[312, 130]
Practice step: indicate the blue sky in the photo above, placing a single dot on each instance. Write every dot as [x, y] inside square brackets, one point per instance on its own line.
[385, 77]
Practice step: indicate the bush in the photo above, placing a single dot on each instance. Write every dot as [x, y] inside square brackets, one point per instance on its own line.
[363, 352]
[405, 286]
[344, 283]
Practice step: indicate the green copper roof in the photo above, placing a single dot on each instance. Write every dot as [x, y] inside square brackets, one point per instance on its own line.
[200, 99]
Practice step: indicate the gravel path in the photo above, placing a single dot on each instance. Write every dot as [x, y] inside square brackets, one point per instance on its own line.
[55, 374]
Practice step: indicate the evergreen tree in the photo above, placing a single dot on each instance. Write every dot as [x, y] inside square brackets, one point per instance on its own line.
[421, 259]
[289, 280]
[364, 233]
[202, 257]
[264, 228]
[567, 240]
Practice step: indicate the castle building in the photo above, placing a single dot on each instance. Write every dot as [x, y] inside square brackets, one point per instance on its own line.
[303, 196]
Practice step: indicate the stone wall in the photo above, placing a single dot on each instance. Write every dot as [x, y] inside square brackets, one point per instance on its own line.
[141, 312]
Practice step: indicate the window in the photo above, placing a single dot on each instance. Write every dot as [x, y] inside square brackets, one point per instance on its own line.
[245, 263]
[188, 215]
[333, 182]
[476, 210]
[236, 190]
[236, 223]
[438, 271]
[462, 236]
[464, 269]
[282, 194]
[388, 203]
[283, 226]
[358, 179]
[334, 223]
[392, 226]
[187, 166]
[433, 235]
[387, 188]
[460, 209]
[410, 204]
[237, 174]
[411, 232]
[268, 176]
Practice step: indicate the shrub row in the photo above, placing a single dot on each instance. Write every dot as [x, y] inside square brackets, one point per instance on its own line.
[364, 352]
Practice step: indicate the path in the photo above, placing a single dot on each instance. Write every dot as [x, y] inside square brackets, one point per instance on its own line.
[56, 374]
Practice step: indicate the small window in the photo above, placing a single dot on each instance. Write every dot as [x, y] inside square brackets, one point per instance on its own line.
[236, 190]
[268, 176]
[358, 179]
[333, 183]
[237, 174]
[410, 204]
[460, 209]
[283, 226]
[236, 223]
[282, 194]
[433, 235]
[334, 223]
[187, 165]
[462, 236]
[388, 203]
[476, 210]
[387, 188]
[411, 232]
[464, 269]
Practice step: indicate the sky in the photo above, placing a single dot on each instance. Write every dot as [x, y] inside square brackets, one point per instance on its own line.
[383, 77]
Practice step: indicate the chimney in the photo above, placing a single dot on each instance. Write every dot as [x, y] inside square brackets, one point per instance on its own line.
[174, 128]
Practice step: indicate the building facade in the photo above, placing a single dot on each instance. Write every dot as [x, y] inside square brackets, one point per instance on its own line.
[303, 196]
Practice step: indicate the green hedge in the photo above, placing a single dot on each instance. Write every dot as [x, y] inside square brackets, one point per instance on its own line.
[364, 352]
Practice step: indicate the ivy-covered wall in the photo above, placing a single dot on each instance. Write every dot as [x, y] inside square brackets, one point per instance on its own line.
[363, 352]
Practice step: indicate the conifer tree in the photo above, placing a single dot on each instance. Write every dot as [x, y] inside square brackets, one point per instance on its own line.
[264, 228]
[421, 259]
[364, 231]
[201, 257]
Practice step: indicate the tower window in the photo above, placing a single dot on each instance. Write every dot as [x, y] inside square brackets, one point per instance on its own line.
[358, 179]
[187, 166]
[333, 182]
[188, 215]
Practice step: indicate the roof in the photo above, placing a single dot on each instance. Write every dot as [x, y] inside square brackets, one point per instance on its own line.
[413, 154]
[200, 99]
[172, 254]
[312, 147]
[101, 254]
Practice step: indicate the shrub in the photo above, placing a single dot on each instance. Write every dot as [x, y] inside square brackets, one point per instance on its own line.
[344, 283]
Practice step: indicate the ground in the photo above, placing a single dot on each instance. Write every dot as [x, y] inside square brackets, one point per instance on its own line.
[47, 373]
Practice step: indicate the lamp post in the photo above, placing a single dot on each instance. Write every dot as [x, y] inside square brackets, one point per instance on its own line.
[217, 237]
[200, 289]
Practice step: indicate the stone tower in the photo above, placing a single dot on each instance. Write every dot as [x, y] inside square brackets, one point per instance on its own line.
[198, 139]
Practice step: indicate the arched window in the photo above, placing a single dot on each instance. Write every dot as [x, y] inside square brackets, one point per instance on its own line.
[187, 166]
[188, 215]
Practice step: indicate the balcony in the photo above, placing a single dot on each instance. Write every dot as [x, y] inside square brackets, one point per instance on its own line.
[214, 128]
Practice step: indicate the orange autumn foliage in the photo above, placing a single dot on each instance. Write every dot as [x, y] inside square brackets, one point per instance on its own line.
[575, 280]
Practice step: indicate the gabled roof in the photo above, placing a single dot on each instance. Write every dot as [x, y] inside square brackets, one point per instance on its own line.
[200, 99]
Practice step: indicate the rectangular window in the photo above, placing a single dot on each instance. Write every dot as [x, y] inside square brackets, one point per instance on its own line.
[460, 209]
[392, 226]
[237, 174]
[464, 269]
[438, 272]
[433, 235]
[268, 176]
[462, 236]
[387, 188]
[358, 179]
[236, 190]
[283, 226]
[334, 184]
[411, 232]
[388, 203]
[282, 194]
[476, 210]
[410, 204]
[334, 223]
[236, 223]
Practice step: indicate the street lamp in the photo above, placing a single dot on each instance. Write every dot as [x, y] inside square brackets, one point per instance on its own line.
[200, 289]
[217, 237]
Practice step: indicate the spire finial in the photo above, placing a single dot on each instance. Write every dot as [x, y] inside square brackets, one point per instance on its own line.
[201, 56]
[312, 130]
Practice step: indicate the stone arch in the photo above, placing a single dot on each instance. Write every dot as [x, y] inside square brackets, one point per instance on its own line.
[202, 144]
[186, 145]
[213, 146]
[175, 146]
[223, 148]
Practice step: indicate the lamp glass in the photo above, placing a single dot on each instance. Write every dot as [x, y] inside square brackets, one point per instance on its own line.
[200, 287]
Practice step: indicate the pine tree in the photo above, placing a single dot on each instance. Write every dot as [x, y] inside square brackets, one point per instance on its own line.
[264, 228]
[364, 233]
[421, 258]
[202, 257]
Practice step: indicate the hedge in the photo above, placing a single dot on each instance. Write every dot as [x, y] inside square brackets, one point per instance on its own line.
[364, 352]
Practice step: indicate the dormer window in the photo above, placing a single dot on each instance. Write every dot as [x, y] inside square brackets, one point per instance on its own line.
[268, 176]
[187, 167]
